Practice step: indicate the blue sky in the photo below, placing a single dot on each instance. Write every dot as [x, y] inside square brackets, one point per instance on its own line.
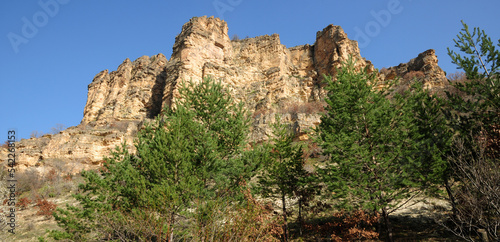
[51, 49]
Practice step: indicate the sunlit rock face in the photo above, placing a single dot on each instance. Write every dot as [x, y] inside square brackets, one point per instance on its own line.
[265, 75]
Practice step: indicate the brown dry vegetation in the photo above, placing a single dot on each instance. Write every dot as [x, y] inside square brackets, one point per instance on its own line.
[412, 75]
[303, 107]
[294, 108]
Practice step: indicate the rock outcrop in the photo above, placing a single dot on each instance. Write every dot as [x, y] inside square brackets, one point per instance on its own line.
[424, 68]
[262, 73]
[133, 92]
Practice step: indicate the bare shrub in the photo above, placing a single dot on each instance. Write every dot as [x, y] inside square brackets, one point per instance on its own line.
[29, 180]
[137, 225]
[312, 151]
[59, 165]
[30, 227]
[57, 128]
[477, 208]
[36, 134]
[457, 77]
[412, 75]
[68, 177]
[290, 108]
[120, 125]
[251, 222]
[235, 37]
[304, 107]
[295, 108]
[384, 71]
[260, 112]
[52, 175]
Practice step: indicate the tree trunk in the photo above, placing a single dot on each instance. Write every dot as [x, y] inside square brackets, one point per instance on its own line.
[451, 197]
[171, 229]
[387, 225]
[300, 217]
[285, 226]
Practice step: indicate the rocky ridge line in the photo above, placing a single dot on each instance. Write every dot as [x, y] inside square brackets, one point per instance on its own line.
[262, 73]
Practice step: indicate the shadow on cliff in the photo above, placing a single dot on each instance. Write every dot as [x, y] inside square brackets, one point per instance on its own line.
[156, 98]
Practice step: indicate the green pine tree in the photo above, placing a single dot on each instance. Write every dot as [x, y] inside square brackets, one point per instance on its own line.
[366, 137]
[284, 176]
[188, 162]
[474, 117]
[431, 136]
[477, 110]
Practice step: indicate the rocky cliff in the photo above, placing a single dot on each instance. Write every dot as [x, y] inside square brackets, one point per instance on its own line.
[262, 73]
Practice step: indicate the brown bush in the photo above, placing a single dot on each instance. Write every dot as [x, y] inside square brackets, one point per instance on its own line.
[23, 203]
[458, 79]
[344, 226]
[68, 177]
[45, 208]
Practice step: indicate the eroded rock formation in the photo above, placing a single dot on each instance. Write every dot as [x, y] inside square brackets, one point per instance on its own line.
[262, 73]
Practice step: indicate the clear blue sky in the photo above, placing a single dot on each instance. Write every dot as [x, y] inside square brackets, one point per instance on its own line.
[44, 73]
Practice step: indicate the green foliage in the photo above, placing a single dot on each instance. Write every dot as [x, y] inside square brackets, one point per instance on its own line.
[479, 112]
[186, 162]
[284, 176]
[430, 135]
[480, 53]
[367, 139]
[474, 117]
[285, 169]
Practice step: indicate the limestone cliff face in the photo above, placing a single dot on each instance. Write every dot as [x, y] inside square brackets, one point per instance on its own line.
[134, 91]
[332, 47]
[80, 147]
[424, 68]
[262, 73]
